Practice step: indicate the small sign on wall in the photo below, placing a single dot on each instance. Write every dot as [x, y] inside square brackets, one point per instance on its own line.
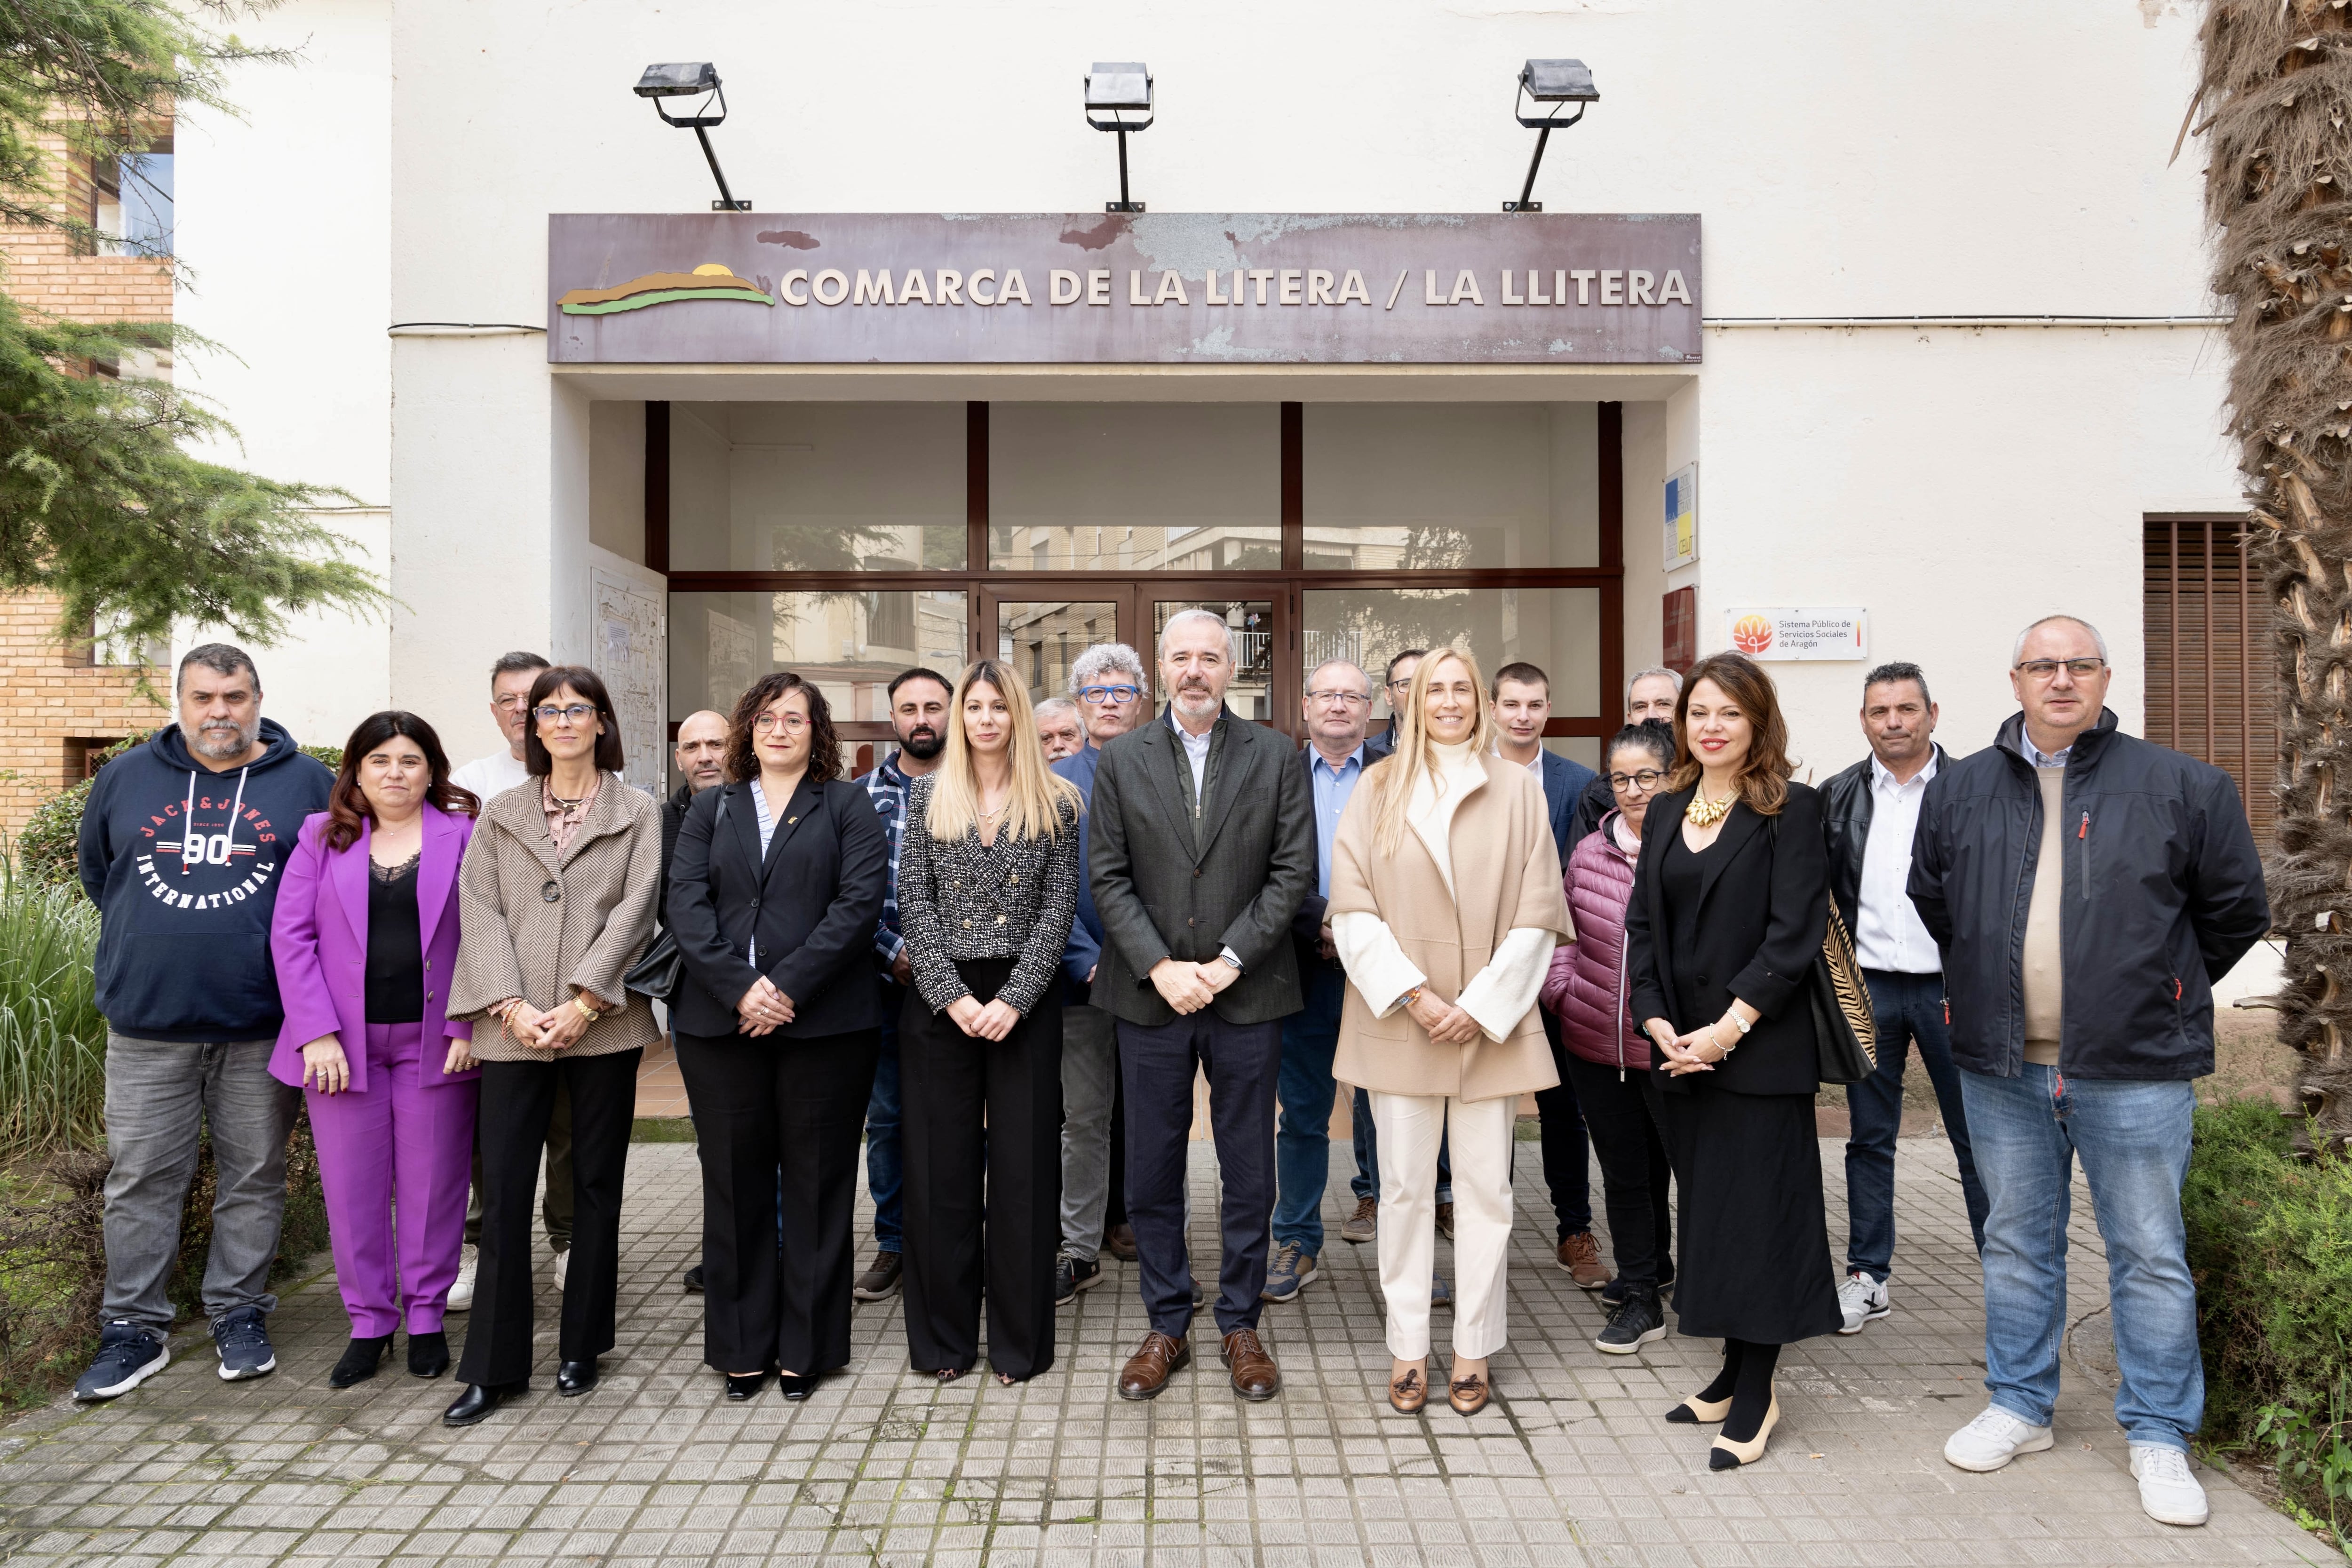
[1796, 633]
[1680, 642]
[1681, 542]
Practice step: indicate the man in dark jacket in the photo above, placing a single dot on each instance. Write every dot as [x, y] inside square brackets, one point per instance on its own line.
[1202, 845]
[1869, 814]
[2087, 889]
[700, 754]
[182, 842]
[1650, 699]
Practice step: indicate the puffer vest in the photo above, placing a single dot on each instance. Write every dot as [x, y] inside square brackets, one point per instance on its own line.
[1587, 987]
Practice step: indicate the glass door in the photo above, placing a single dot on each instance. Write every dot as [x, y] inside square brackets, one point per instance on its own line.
[1261, 633]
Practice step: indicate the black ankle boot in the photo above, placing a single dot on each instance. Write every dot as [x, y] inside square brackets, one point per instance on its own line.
[478, 1400]
[428, 1354]
[361, 1359]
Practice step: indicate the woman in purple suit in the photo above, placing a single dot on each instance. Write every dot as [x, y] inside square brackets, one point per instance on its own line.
[365, 938]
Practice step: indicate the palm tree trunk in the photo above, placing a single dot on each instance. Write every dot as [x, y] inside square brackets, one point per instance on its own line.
[2277, 85]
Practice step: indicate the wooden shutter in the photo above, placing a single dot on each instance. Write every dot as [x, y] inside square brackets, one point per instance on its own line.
[2209, 667]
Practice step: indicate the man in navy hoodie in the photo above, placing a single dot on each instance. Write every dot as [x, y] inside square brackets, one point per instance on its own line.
[182, 843]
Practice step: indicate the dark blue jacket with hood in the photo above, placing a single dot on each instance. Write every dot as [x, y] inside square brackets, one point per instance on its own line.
[183, 864]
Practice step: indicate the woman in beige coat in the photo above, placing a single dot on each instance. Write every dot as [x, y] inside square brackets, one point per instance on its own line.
[1445, 907]
[557, 899]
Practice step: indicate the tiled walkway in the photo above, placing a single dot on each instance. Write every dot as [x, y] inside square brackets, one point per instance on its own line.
[1571, 1465]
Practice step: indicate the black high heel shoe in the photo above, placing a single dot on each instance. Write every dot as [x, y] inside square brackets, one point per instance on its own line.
[361, 1360]
[796, 1388]
[428, 1354]
[743, 1386]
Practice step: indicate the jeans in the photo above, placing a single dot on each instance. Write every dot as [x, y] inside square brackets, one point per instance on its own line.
[1567, 1151]
[1367, 1182]
[885, 1167]
[1089, 1086]
[158, 1094]
[1908, 1007]
[1302, 1140]
[2133, 1139]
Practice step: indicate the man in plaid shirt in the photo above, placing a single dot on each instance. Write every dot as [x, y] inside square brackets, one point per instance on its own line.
[919, 713]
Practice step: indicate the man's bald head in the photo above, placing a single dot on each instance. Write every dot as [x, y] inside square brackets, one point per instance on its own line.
[701, 753]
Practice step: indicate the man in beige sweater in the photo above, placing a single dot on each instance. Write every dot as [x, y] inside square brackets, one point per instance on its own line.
[2085, 887]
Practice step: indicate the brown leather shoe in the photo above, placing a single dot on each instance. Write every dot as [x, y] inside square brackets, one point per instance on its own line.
[1256, 1376]
[1581, 1256]
[1147, 1370]
[1120, 1242]
[1408, 1393]
[1468, 1394]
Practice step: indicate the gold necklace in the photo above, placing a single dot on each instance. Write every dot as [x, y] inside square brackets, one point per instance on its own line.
[1703, 813]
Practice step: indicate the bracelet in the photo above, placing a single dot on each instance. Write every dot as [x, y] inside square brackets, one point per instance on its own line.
[586, 1011]
[1409, 997]
[1712, 1040]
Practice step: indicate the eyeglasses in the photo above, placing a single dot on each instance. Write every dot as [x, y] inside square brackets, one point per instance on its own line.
[2047, 668]
[794, 723]
[1348, 698]
[1099, 695]
[1645, 781]
[511, 702]
[577, 712]
[1404, 685]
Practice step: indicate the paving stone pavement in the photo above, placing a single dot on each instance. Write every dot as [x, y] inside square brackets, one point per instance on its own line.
[1570, 1464]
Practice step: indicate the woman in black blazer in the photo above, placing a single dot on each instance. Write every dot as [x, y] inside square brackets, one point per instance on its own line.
[1730, 904]
[777, 881]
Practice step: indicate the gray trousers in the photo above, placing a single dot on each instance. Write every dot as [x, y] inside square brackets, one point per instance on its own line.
[157, 1095]
[1089, 1079]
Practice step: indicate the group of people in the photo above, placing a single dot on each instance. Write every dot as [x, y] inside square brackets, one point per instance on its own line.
[1000, 960]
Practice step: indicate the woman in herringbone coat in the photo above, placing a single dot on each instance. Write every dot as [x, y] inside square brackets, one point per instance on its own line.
[988, 884]
[556, 898]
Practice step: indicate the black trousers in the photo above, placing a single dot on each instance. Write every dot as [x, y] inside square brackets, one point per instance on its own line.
[983, 1148]
[518, 1100]
[1566, 1157]
[1158, 1062]
[760, 1104]
[1626, 1115]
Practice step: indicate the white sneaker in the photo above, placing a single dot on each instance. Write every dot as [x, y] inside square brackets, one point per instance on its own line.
[1993, 1439]
[562, 1263]
[1863, 1296]
[461, 1294]
[2166, 1491]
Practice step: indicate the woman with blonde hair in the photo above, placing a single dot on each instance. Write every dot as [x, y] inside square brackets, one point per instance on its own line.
[988, 884]
[1445, 906]
[1731, 900]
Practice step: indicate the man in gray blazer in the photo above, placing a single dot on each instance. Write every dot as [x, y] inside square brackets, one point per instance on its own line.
[1202, 843]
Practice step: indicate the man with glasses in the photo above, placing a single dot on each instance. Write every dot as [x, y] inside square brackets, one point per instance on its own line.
[2086, 888]
[1650, 699]
[918, 700]
[488, 777]
[1396, 685]
[1107, 681]
[1869, 814]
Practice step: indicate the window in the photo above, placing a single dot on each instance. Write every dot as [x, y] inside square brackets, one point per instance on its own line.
[1193, 486]
[849, 644]
[130, 206]
[2210, 665]
[816, 487]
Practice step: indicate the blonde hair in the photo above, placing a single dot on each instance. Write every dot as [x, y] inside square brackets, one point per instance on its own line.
[1034, 805]
[1416, 752]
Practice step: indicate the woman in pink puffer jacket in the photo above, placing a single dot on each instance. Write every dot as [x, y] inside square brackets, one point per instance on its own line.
[1608, 1056]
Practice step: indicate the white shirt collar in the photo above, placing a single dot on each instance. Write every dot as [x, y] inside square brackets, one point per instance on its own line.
[1883, 777]
[2039, 758]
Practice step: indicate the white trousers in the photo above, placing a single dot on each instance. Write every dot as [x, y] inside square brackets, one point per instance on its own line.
[1409, 1128]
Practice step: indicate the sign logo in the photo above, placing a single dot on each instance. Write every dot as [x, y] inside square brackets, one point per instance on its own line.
[1751, 634]
[711, 280]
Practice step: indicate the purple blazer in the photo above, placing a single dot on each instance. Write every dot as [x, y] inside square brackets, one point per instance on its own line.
[319, 938]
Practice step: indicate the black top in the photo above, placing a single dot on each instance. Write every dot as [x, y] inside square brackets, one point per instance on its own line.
[1683, 872]
[395, 948]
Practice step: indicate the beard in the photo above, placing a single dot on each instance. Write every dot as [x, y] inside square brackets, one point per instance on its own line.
[923, 745]
[1197, 699]
[217, 740]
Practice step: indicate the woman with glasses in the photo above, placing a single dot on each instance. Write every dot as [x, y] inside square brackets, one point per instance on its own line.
[988, 883]
[775, 886]
[557, 901]
[1731, 900]
[1606, 1058]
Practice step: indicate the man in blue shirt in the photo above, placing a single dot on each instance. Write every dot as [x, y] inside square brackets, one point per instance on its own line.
[919, 713]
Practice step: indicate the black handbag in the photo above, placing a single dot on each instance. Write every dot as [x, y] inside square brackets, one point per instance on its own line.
[1846, 1035]
[660, 970]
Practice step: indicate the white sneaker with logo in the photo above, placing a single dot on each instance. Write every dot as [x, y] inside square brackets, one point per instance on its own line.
[461, 1294]
[1993, 1439]
[1863, 1296]
[563, 1266]
[2166, 1491]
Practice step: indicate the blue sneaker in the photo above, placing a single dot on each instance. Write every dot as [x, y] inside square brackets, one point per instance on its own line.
[128, 1355]
[1288, 1272]
[244, 1345]
[1439, 1295]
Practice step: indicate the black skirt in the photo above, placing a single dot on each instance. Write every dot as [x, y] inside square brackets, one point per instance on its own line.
[1754, 1262]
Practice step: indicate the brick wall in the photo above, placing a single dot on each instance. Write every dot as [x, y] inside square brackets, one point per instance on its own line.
[53, 701]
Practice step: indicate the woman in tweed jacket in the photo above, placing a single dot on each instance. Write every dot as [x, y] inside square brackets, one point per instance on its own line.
[988, 884]
[556, 898]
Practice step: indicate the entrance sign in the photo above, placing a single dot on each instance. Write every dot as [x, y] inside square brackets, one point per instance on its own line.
[1767, 634]
[1123, 288]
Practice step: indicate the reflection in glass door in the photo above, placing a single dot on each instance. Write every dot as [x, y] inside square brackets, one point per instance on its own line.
[1251, 621]
[1043, 637]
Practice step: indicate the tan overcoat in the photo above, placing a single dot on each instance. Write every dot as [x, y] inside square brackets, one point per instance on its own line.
[1507, 873]
[541, 924]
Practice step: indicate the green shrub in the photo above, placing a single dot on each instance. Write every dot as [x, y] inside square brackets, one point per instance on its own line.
[52, 1040]
[2269, 1246]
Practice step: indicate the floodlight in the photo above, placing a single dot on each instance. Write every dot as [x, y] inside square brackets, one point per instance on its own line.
[694, 78]
[1118, 89]
[1555, 82]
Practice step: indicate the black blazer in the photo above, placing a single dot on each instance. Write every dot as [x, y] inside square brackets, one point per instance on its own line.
[812, 903]
[1763, 910]
[1168, 885]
